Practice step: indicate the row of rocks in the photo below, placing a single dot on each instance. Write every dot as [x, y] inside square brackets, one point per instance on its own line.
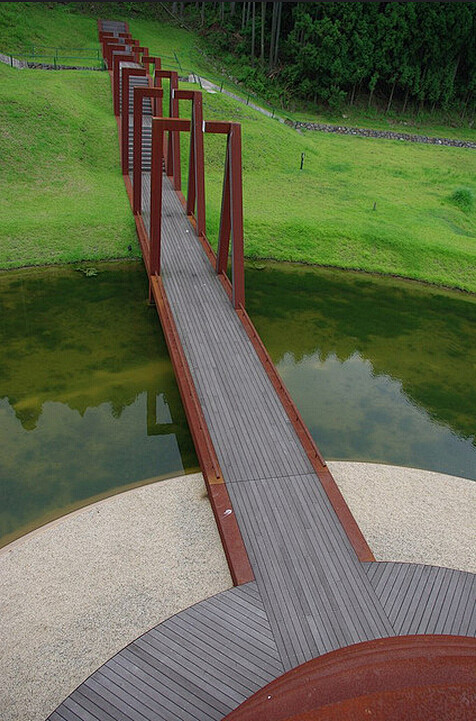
[50, 66]
[390, 135]
[21, 64]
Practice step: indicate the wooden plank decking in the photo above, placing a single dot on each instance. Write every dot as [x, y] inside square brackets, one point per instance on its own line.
[311, 594]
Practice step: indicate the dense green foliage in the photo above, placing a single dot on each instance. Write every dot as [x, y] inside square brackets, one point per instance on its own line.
[419, 52]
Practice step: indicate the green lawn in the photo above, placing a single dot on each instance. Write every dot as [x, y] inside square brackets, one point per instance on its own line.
[31, 23]
[325, 213]
[63, 198]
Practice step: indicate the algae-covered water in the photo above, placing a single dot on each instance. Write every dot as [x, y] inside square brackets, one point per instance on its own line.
[382, 370]
[88, 400]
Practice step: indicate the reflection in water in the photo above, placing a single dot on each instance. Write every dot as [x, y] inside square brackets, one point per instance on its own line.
[381, 370]
[88, 399]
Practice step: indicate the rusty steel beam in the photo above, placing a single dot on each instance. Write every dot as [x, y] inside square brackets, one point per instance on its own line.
[147, 61]
[231, 219]
[233, 545]
[236, 214]
[159, 127]
[172, 153]
[425, 677]
[217, 126]
[116, 61]
[126, 74]
[139, 95]
[196, 171]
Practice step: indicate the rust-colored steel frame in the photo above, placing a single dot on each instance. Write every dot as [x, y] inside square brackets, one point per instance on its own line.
[159, 127]
[138, 50]
[116, 79]
[127, 73]
[172, 154]
[112, 48]
[112, 45]
[196, 168]
[139, 95]
[147, 61]
[231, 219]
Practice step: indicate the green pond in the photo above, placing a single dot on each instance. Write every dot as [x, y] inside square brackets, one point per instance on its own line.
[382, 370]
[88, 400]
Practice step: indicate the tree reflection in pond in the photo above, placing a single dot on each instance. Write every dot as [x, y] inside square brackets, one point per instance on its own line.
[382, 370]
[88, 400]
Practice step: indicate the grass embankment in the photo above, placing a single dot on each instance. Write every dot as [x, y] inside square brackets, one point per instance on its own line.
[62, 197]
[324, 214]
[44, 24]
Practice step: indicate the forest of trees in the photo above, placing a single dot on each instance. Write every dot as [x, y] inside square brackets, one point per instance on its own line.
[393, 54]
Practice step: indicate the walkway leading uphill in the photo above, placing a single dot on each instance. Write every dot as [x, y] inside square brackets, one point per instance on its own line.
[307, 588]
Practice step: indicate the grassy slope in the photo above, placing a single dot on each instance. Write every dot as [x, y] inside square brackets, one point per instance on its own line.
[31, 23]
[61, 200]
[323, 214]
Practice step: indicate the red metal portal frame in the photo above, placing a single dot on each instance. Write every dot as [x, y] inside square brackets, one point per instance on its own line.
[126, 74]
[138, 50]
[115, 47]
[159, 127]
[231, 220]
[147, 61]
[116, 61]
[139, 95]
[196, 168]
[172, 152]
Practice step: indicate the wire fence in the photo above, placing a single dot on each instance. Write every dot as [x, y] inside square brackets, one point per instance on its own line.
[38, 55]
[91, 58]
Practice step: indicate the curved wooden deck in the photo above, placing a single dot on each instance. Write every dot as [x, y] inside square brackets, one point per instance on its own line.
[312, 592]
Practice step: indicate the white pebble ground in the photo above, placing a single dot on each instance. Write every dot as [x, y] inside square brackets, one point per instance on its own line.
[80, 589]
[77, 591]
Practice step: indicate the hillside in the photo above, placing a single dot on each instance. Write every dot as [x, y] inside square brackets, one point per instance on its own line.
[378, 205]
[62, 197]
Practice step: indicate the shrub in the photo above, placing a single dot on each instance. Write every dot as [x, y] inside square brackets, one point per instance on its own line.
[463, 198]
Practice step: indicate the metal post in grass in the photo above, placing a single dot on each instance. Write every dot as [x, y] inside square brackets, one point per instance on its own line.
[177, 61]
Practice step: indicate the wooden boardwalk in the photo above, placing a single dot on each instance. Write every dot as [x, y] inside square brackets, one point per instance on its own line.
[311, 593]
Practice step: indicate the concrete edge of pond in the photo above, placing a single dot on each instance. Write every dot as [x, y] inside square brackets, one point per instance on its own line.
[79, 589]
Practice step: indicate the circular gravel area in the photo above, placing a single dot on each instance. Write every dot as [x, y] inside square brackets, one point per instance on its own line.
[75, 592]
[407, 514]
